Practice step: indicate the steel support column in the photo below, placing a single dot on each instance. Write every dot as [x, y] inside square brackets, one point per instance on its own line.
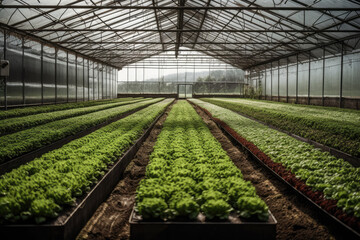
[5, 78]
[278, 87]
[323, 78]
[341, 76]
[271, 79]
[55, 78]
[309, 80]
[67, 76]
[287, 80]
[297, 79]
[23, 68]
[42, 73]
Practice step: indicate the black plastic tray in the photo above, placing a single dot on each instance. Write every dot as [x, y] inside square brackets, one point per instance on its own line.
[27, 157]
[182, 230]
[76, 218]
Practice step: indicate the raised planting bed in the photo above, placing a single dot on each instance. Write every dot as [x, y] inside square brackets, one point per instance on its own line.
[191, 183]
[332, 127]
[201, 229]
[30, 110]
[8, 126]
[72, 219]
[68, 135]
[355, 161]
[327, 208]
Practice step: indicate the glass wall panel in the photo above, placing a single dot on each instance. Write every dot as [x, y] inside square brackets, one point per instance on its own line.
[105, 82]
[292, 80]
[86, 80]
[351, 77]
[96, 81]
[48, 74]
[71, 77]
[262, 82]
[268, 82]
[101, 73]
[61, 76]
[2, 82]
[80, 79]
[91, 80]
[282, 87]
[316, 78]
[303, 79]
[1, 44]
[14, 54]
[32, 72]
[332, 77]
[275, 74]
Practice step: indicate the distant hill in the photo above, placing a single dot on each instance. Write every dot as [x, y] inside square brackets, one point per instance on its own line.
[231, 75]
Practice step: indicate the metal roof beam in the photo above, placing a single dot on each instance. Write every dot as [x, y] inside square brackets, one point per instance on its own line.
[180, 7]
[194, 30]
[180, 26]
[158, 25]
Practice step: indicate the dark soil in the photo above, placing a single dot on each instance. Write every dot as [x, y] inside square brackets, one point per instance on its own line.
[295, 219]
[111, 219]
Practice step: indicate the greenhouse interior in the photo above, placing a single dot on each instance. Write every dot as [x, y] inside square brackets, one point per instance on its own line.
[179, 119]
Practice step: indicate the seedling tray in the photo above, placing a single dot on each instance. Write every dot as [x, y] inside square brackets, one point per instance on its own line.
[199, 229]
[68, 225]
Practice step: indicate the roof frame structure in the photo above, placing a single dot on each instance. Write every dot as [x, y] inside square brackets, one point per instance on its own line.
[242, 33]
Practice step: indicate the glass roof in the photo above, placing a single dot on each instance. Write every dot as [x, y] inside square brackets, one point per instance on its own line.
[242, 33]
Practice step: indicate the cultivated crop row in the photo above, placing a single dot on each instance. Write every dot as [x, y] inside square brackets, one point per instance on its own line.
[11, 125]
[18, 112]
[16, 144]
[189, 173]
[40, 189]
[337, 128]
[328, 177]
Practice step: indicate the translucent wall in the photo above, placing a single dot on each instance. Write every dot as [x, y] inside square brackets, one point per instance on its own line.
[321, 77]
[332, 77]
[86, 80]
[282, 81]
[163, 73]
[61, 76]
[316, 78]
[42, 74]
[72, 78]
[292, 79]
[32, 72]
[15, 85]
[351, 77]
[91, 80]
[303, 79]
[268, 82]
[48, 74]
[275, 81]
[96, 82]
[2, 80]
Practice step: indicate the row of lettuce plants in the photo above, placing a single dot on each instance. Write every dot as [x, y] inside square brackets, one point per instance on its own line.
[19, 143]
[190, 174]
[332, 183]
[20, 112]
[12, 125]
[43, 188]
[338, 129]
